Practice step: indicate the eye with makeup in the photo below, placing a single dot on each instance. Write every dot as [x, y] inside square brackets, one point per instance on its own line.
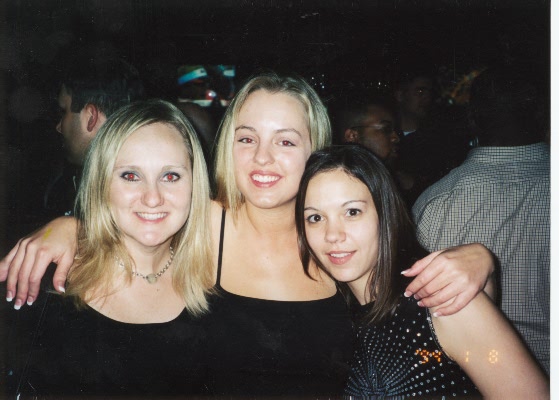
[171, 177]
[245, 140]
[353, 212]
[313, 218]
[287, 143]
[129, 176]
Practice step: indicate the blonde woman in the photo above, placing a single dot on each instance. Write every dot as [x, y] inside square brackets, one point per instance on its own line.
[129, 322]
[274, 330]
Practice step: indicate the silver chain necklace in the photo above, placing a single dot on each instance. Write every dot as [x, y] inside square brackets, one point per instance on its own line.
[152, 278]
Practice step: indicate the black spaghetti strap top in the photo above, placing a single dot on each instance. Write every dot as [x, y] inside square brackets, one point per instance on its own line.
[264, 347]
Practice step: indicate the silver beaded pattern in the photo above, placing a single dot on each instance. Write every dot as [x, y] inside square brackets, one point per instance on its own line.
[401, 357]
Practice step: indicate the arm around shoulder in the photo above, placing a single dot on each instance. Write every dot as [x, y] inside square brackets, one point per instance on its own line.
[25, 265]
[486, 346]
[457, 274]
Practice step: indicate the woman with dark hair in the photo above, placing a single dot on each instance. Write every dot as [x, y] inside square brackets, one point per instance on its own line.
[352, 223]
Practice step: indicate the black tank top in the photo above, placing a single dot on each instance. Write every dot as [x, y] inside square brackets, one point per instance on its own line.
[277, 348]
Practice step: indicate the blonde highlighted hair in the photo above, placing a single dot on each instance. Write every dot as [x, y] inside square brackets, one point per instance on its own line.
[99, 238]
[318, 123]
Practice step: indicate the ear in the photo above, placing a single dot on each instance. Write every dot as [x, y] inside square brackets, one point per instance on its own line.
[94, 118]
[351, 136]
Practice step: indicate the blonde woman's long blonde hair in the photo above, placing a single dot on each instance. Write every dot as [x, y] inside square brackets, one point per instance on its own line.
[318, 123]
[99, 238]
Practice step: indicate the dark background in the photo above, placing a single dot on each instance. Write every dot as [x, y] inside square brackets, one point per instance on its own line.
[337, 45]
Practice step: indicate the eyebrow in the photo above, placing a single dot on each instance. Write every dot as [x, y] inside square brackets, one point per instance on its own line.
[353, 201]
[282, 130]
[343, 205]
[131, 166]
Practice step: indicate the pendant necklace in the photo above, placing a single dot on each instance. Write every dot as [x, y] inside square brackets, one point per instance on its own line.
[152, 278]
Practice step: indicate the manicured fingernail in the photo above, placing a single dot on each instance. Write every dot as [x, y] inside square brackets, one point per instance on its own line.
[436, 314]
[416, 297]
[407, 293]
[420, 304]
[30, 301]
[9, 296]
[404, 271]
[17, 305]
[61, 289]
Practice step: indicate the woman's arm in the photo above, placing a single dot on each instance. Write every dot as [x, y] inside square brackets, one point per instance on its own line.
[452, 277]
[486, 346]
[26, 263]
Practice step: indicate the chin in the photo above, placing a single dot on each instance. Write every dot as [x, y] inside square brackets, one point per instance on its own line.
[152, 241]
[341, 276]
[265, 202]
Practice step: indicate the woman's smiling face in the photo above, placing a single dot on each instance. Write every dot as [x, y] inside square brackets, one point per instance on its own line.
[151, 186]
[272, 145]
[342, 227]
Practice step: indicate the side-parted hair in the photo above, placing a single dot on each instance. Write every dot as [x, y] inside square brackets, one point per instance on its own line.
[99, 239]
[318, 123]
[397, 244]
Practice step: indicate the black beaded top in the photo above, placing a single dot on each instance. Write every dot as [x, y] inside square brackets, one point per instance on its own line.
[401, 357]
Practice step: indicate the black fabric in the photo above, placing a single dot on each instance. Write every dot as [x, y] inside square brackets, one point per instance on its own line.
[277, 348]
[60, 195]
[427, 155]
[401, 357]
[62, 352]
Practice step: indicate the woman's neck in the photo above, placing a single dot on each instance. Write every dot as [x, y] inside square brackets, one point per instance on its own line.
[359, 288]
[148, 260]
[279, 220]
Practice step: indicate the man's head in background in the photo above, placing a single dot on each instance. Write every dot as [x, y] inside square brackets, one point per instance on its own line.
[368, 119]
[507, 109]
[91, 89]
[414, 92]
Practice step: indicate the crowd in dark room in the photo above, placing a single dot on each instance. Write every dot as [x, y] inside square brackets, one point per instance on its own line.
[394, 77]
[346, 53]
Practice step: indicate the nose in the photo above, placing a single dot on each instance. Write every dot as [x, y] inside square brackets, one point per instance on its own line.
[335, 232]
[263, 154]
[152, 196]
[394, 138]
[59, 126]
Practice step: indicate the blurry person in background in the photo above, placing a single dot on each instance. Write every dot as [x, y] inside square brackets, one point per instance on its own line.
[368, 120]
[429, 145]
[90, 90]
[500, 197]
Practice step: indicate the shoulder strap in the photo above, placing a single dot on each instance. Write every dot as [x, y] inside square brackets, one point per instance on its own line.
[220, 256]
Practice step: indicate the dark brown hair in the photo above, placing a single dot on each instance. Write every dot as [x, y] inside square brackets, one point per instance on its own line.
[397, 248]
